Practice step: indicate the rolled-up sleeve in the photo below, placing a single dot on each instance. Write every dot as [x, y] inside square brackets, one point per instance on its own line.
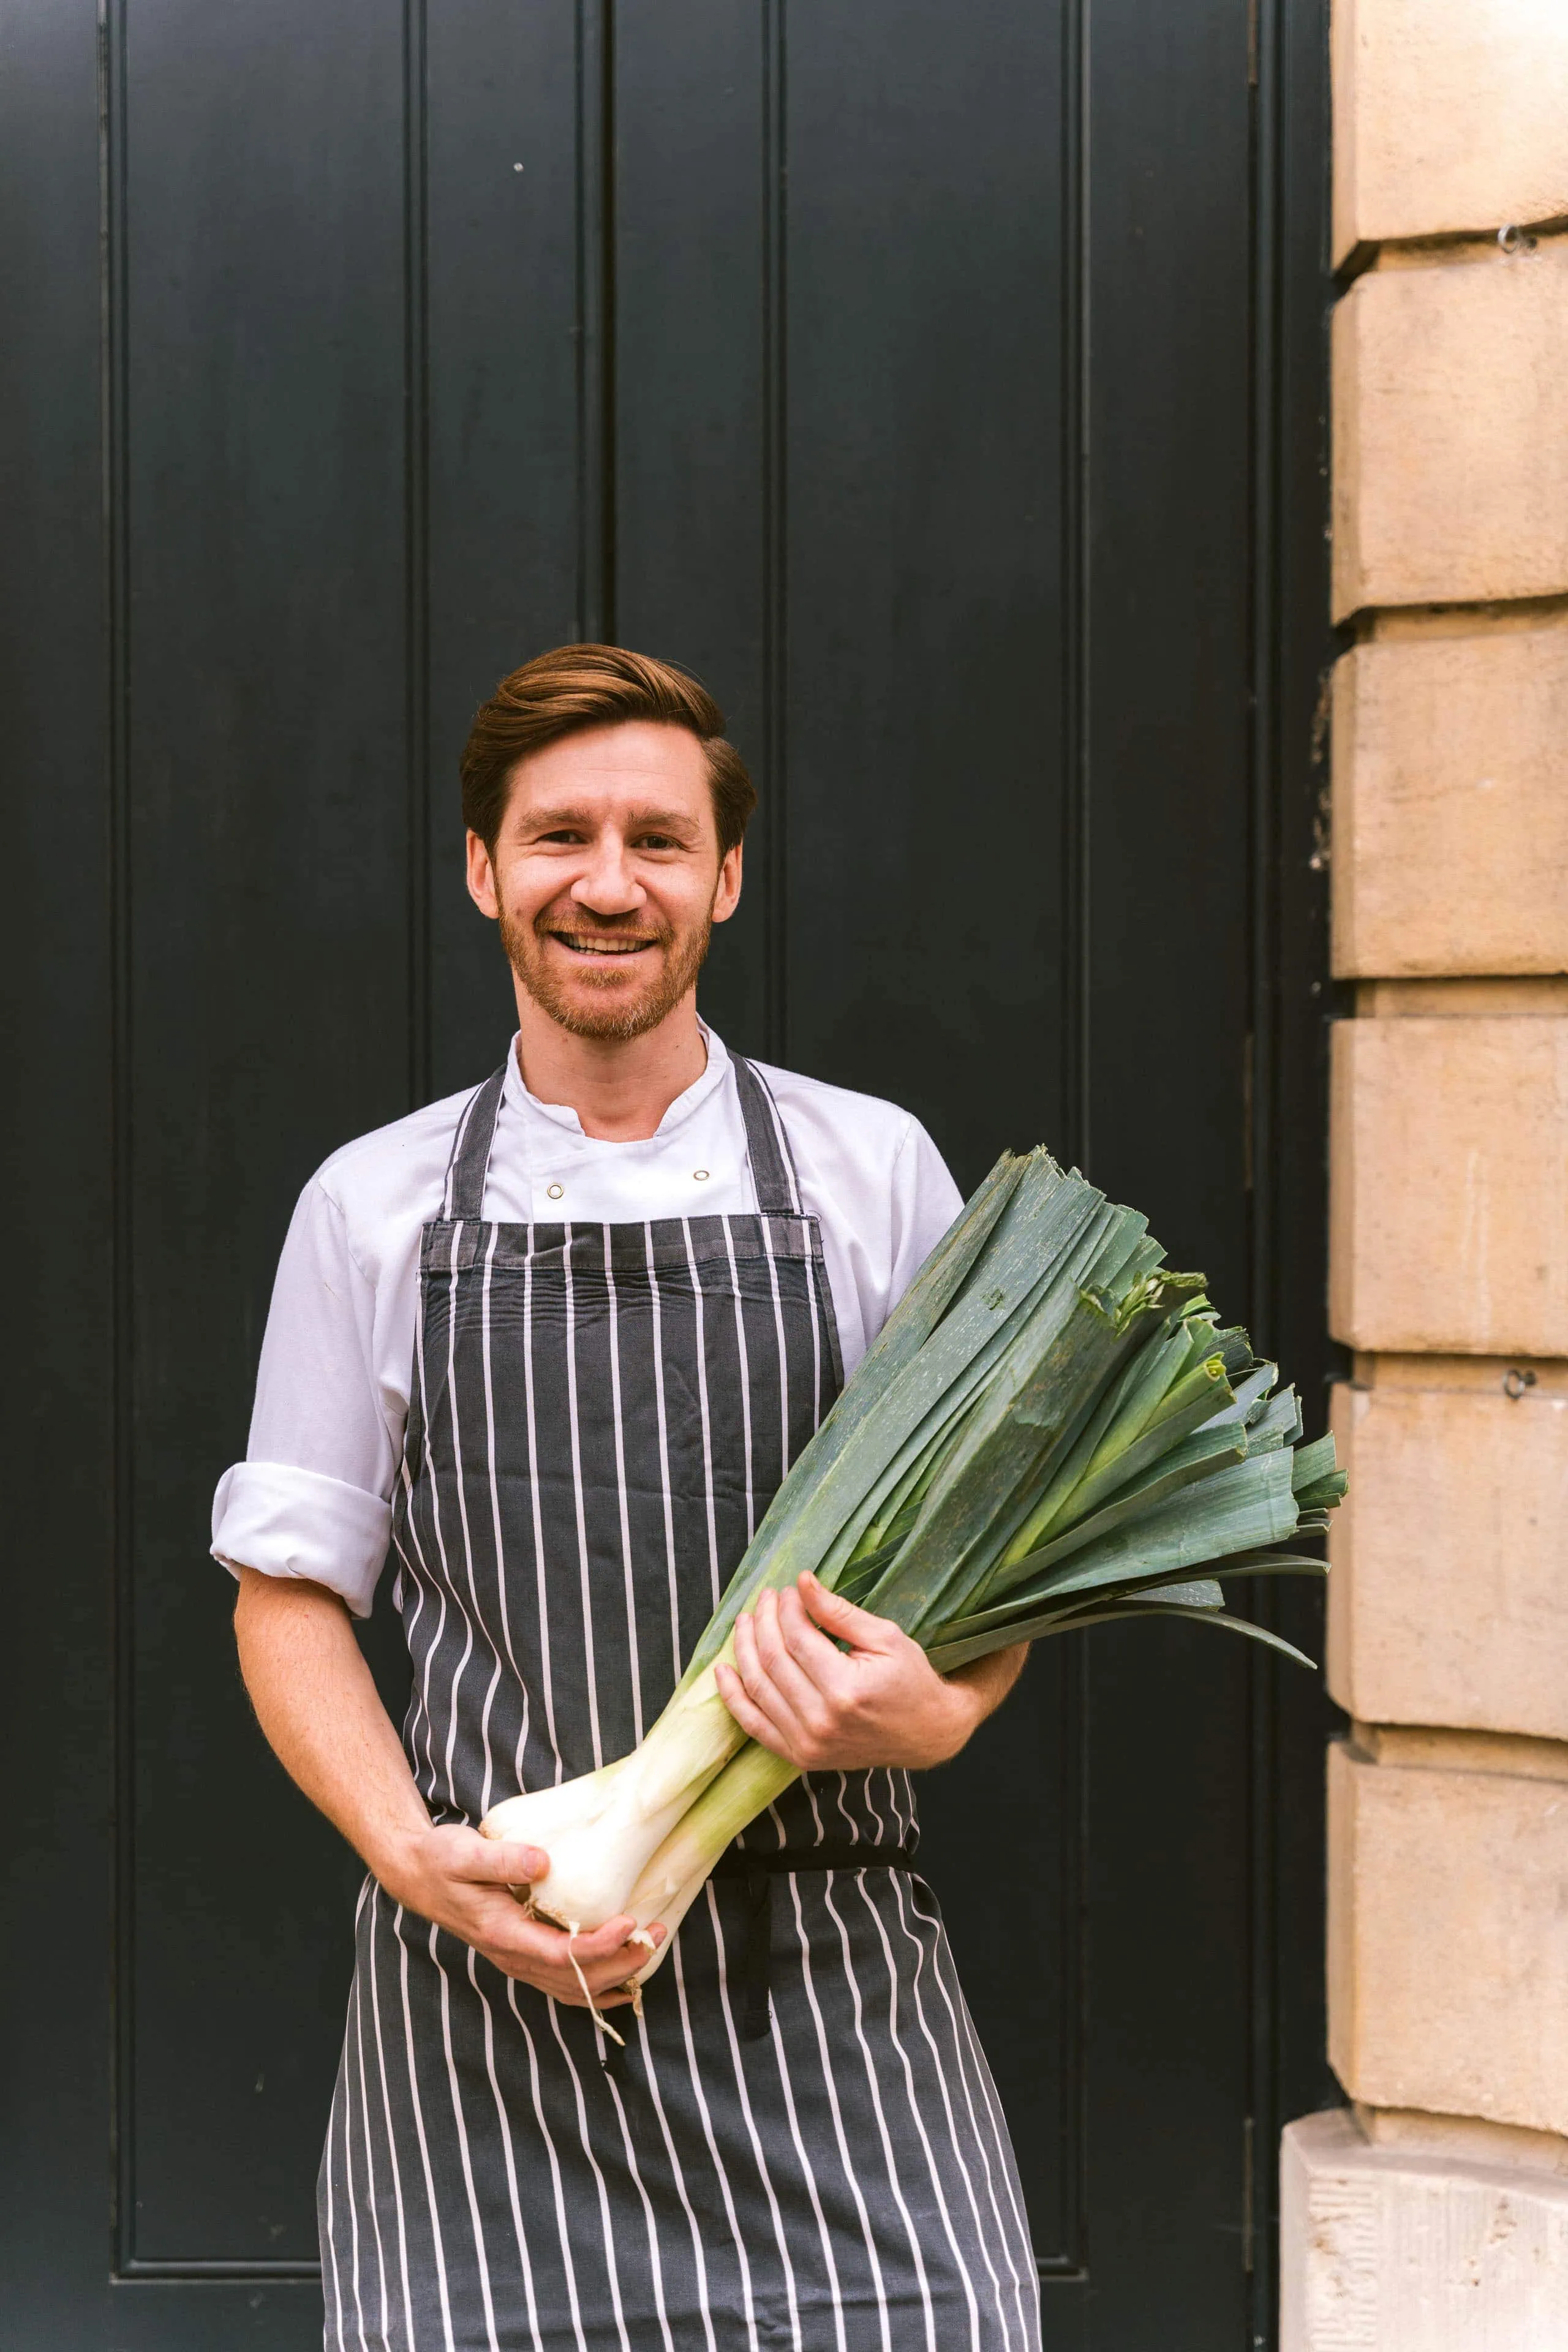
[291, 1522]
[312, 1497]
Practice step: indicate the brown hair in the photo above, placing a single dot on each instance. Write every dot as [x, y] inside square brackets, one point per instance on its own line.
[578, 687]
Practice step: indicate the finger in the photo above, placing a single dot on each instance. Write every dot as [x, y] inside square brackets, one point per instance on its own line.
[601, 1951]
[753, 1721]
[607, 1954]
[782, 1625]
[751, 1664]
[500, 1862]
[542, 1944]
[556, 1985]
[608, 1977]
[843, 1620]
[570, 1996]
[744, 1637]
[774, 1683]
[589, 1944]
[541, 1955]
[808, 1662]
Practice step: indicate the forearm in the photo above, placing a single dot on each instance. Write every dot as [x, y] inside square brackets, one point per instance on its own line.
[987, 1681]
[318, 1707]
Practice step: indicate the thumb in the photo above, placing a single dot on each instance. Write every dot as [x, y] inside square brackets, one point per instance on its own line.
[843, 1620]
[506, 1861]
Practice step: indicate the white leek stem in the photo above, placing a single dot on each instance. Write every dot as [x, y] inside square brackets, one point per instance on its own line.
[677, 1873]
[601, 1830]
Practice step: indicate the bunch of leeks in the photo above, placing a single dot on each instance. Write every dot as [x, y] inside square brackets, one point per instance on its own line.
[1051, 1432]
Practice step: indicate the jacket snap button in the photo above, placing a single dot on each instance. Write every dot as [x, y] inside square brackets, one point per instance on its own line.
[554, 1192]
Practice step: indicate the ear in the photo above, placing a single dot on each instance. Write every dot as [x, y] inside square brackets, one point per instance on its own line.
[481, 878]
[727, 897]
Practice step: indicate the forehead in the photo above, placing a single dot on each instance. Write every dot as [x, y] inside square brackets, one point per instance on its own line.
[636, 764]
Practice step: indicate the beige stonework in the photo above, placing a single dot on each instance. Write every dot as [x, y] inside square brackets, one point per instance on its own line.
[1471, 1375]
[1401, 2249]
[1422, 1748]
[1450, 432]
[1450, 803]
[1433, 2215]
[1448, 1936]
[1455, 1000]
[1448, 114]
[1448, 1185]
[1448, 1589]
[1465, 2137]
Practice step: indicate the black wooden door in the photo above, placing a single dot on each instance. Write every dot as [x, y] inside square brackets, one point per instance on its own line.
[945, 384]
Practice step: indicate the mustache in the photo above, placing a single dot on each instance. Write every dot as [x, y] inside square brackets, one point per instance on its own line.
[582, 925]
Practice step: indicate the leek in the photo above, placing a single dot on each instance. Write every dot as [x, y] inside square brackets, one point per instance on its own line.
[1051, 1432]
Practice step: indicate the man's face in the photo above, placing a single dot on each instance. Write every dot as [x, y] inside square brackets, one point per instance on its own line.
[605, 876]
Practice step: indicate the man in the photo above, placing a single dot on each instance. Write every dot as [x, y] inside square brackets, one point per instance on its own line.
[557, 1340]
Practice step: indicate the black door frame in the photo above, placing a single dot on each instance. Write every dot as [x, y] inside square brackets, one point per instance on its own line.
[62, 656]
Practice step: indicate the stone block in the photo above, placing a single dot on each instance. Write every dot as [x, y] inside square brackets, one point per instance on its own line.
[1447, 1930]
[1449, 1205]
[1449, 1584]
[1448, 114]
[1450, 1000]
[1450, 805]
[1450, 401]
[1394, 2249]
[1465, 2137]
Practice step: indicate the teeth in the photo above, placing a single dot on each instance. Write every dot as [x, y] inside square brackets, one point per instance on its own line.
[601, 947]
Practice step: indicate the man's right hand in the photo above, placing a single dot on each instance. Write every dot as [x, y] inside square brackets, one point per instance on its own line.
[318, 1705]
[463, 1882]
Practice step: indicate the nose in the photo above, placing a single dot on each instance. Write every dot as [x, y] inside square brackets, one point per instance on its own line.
[609, 885]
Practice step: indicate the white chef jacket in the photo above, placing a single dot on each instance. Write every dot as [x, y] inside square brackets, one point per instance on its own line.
[313, 1497]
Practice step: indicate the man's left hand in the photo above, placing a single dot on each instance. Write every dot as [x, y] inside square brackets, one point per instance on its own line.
[880, 1702]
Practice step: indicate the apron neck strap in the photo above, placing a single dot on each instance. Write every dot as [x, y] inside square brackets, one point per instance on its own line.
[465, 1194]
[773, 1177]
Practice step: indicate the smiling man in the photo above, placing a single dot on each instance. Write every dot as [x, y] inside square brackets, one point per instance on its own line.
[554, 1341]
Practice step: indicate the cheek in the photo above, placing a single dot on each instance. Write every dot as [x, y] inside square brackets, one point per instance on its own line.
[526, 890]
[683, 897]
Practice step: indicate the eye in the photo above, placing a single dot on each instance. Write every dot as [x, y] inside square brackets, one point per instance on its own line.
[565, 835]
[658, 841]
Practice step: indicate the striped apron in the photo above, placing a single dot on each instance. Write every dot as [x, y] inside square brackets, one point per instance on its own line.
[597, 1418]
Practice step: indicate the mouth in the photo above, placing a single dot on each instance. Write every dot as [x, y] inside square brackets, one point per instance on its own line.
[601, 943]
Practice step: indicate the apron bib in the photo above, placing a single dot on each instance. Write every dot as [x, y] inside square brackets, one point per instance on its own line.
[803, 2146]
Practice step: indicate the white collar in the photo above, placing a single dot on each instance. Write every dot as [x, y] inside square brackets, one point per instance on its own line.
[516, 1096]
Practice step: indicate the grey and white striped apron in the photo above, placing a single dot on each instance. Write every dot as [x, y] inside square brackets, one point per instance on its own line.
[597, 1419]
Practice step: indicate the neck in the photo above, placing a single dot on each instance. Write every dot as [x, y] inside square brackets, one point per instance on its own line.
[620, 1087]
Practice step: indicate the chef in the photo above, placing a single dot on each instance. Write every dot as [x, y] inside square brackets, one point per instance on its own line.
[551, 1345]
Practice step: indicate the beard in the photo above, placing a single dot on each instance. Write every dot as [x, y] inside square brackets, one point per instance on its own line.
[622, 1013]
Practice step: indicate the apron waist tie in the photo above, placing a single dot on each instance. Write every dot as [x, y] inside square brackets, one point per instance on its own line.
[758, 1871]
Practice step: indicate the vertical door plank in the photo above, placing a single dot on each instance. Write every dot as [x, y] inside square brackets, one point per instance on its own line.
[1168, 916]
[924, 730]
[55, 1181]
[693, 159]
[266, 911]
[508, 440]
[924, 446]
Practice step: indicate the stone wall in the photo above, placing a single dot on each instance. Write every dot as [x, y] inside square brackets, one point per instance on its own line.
[1431, 2214]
